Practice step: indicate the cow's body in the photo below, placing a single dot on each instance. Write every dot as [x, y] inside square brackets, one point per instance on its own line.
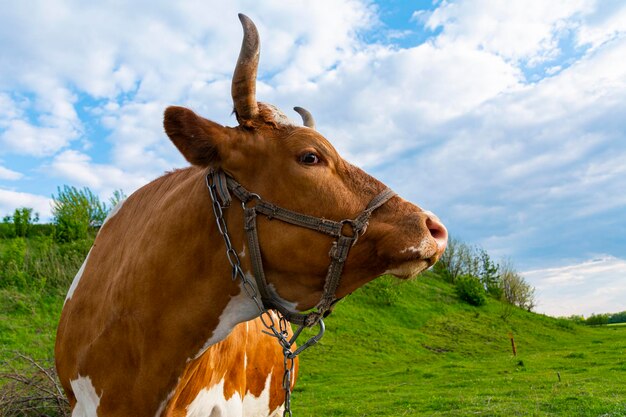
[241, 376]
[156, 291]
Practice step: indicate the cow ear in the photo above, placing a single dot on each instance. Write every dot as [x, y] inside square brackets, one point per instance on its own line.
[197, 138]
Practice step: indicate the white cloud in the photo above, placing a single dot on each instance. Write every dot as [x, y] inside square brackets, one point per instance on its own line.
[55, 125]
[8, 174]
[603, 24]
[515, 30]
[10, 200]
[78, 169]
[594, 286]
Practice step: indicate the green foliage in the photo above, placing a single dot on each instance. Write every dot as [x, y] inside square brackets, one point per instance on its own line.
[597, 320]
[75, 211]
[116, 198]
[515, 289]
[500, 280]
[618, 317]
[20, 224]
[12, 260]
[489, 275]
[471, 290]
[40, 264]
[383, 292]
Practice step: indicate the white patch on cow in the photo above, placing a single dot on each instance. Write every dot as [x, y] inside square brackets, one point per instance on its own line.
[424, 249]
[114, 211]
[242, 254]
[254, 406]
[240, 308]
[411, 249]
[211, 402]
[87, 400]
[279, 411]
[278, 116]
[79, 274]
[289, 305]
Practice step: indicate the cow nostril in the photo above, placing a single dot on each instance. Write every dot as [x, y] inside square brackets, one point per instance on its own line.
[438, 232]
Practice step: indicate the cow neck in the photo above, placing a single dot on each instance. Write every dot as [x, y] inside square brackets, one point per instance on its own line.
[346, 232]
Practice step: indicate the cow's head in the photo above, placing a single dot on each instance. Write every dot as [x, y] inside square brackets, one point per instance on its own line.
[297, 168]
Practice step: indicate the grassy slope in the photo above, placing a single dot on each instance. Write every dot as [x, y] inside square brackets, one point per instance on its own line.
[411, 348]
[426, 354]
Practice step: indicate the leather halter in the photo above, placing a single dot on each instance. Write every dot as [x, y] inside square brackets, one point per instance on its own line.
[224, 184]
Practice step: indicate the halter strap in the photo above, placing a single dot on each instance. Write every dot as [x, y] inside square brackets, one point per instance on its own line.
[225, 184]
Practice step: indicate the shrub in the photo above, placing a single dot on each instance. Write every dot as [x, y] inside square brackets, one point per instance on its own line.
[384, 291]
[20, 224]
[12, 260]
[30, 388]
[75, 211]
[471, 290]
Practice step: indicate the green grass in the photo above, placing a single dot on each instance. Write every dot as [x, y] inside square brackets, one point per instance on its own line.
[391, 349]
[429, 355]
[34, 277]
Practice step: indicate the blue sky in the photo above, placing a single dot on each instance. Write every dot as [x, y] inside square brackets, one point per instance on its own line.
[507, 119]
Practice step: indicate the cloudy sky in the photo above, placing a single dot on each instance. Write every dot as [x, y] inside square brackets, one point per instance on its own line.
[506, 118]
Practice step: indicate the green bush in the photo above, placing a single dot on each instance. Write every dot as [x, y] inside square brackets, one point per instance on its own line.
[471, 290]
[7, 231]
[75, 212]
[12, 261]
[383, 291]
[40, 264]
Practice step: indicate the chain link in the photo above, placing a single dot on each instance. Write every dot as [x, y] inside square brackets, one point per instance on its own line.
[281, 334]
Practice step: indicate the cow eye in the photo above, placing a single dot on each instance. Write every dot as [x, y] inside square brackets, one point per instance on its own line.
[309, 158]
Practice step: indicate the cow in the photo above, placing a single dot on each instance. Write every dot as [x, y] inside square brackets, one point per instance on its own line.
[157, 321]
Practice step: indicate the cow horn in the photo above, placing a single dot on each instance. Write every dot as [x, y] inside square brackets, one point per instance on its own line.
[243, 88]
[307, 117]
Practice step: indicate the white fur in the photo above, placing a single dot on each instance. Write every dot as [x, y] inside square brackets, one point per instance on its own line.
[424, 249]
[258, 406]
[76, 280]
[240, 308]
[278, 116]
[87, 400]
[211, 402]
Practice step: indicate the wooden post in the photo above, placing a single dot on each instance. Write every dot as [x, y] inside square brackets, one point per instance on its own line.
[513, 344]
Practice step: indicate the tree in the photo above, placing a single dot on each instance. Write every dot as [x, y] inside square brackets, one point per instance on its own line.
[75, 211]
[618, 317]
[457, 260]
[489, 275]
[515, 289]
[597, 320]
[22, 221]
[117, 197]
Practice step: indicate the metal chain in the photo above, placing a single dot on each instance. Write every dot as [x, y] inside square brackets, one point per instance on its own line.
[281, 334]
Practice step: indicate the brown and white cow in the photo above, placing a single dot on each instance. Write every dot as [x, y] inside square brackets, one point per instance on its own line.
[145, 327]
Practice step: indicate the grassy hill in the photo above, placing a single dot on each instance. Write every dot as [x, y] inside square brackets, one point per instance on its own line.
[392, 349]
[411, 348]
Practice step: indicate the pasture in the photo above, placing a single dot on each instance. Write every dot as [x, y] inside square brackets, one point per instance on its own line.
[394, 349]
